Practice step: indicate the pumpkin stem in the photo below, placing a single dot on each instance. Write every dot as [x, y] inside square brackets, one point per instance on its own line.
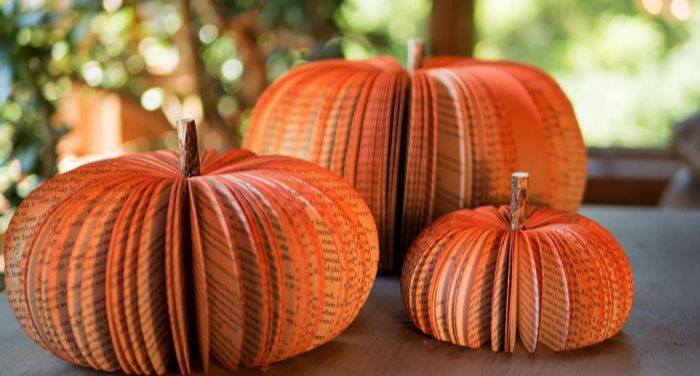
[416, 53]
[187, 147]
[518, 199]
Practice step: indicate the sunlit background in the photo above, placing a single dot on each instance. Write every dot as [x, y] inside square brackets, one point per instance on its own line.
[631, 68]
[81, 80]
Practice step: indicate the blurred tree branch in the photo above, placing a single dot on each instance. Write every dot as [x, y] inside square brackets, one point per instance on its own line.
[452, 27]
[255, 80]
[244, 27]
[203, 82]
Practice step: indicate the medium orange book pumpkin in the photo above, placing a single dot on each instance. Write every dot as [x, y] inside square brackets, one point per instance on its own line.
[140, 262]
[417, 144]
[484, 276]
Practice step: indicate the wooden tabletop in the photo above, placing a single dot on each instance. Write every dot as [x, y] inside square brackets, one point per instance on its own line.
[662, 336]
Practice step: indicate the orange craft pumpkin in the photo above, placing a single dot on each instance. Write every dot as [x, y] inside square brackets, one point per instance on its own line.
[135, 264]
[417, 144]
[478, 277]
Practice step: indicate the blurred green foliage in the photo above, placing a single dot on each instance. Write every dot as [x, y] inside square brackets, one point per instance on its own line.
[631, 72]
[136, 48]
[29, 82]
[372, 28]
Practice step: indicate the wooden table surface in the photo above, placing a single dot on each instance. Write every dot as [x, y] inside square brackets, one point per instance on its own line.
[662, 336]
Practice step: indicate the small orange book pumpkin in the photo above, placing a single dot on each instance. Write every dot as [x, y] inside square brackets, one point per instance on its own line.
[418, 144]
[483, 276]
[134, 263]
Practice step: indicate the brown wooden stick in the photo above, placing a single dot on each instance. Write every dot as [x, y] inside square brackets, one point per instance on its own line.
[416, 53]
[518, 199]
[187, 146]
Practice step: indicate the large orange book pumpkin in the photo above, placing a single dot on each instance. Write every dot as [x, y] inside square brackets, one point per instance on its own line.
[417, 144]
[142, 263]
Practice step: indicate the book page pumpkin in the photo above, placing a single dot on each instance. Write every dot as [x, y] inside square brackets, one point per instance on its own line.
[421, 143]
[142, 262]
[484, 276]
